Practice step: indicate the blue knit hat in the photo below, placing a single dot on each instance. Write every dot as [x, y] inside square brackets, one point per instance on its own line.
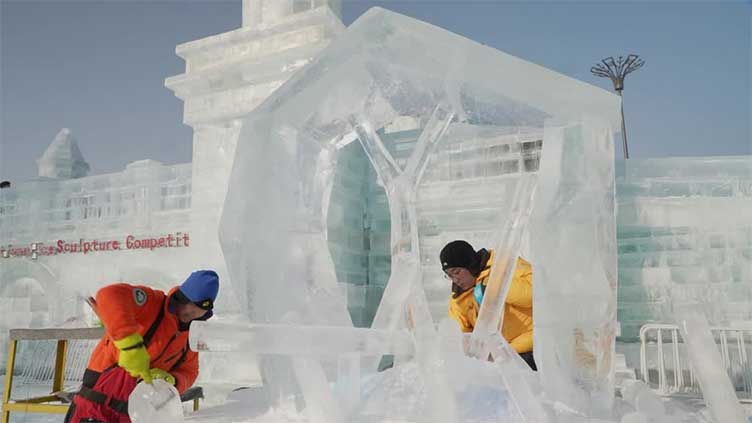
[201, 288]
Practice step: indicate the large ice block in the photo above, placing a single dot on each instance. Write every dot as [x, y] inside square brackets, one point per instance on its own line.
[719, 393]
[298, 340]
[156, 401]
[491, 313]
[573, 241]
[439, 140]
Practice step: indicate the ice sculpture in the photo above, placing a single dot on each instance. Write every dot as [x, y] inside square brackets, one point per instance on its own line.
[389, 75]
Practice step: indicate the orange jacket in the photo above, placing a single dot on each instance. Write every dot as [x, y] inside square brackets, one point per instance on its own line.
[518, 308]
[127, 309]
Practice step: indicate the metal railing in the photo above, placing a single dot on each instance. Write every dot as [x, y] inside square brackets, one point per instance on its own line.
[64, 362]
[37, 361]
[679, 378]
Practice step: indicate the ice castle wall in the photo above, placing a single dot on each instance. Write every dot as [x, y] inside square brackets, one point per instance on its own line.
[63, 239]
[684, 230]
[685, 235]
[227, 75]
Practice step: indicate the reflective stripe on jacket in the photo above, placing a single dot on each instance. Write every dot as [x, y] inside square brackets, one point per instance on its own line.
[518, 310]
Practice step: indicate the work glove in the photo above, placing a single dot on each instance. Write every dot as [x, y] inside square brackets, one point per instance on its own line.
[133, 356]
[161, 374]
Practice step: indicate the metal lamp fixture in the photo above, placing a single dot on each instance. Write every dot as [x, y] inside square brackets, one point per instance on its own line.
[616, 70]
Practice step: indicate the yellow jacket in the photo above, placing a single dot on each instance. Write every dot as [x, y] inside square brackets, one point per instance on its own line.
[518, 310]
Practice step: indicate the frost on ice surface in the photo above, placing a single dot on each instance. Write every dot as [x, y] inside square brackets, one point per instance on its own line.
[452, 149]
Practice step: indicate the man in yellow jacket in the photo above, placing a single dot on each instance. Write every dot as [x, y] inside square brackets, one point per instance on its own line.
[469, 271]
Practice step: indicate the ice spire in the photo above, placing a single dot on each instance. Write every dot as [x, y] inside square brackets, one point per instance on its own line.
[63, 159]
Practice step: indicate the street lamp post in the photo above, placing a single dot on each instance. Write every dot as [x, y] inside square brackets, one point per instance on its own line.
[618, 69]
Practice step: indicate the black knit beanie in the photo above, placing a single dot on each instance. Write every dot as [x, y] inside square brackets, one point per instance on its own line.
[460, 254]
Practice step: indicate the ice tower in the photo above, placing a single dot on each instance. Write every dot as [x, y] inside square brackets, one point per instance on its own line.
[227, 75]
[63, 159]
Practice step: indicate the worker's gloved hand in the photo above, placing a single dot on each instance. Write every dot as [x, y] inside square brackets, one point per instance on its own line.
[161, 374]
[133, 356]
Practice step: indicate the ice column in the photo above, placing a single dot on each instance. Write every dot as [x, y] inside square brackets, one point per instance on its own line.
[400, 187]
[574, 253]
[490, 316]
[719, 394]
[404, 299]
[519, 380]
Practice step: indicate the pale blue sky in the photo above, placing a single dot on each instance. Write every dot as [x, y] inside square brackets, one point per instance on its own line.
[98, 67]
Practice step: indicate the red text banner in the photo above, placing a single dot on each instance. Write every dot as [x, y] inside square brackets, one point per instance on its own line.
[88, 246]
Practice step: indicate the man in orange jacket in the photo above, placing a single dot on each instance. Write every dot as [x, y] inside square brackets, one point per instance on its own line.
[146, 337]
[469, 271]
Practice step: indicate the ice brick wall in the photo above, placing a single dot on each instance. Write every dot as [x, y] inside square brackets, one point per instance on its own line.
[358, 235]
[684, 230]
[41, 286]
[685, 235]
[146, 196]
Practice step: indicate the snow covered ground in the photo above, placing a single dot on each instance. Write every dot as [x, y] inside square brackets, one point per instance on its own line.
[222, 405]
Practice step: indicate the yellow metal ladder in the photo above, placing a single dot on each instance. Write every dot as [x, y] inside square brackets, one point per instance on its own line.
[48, 403]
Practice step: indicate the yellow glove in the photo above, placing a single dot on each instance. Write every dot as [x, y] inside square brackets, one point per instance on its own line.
[133, 356]
[161, 374]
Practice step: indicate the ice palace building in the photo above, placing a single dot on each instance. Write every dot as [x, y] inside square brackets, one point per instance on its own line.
[380, 154]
